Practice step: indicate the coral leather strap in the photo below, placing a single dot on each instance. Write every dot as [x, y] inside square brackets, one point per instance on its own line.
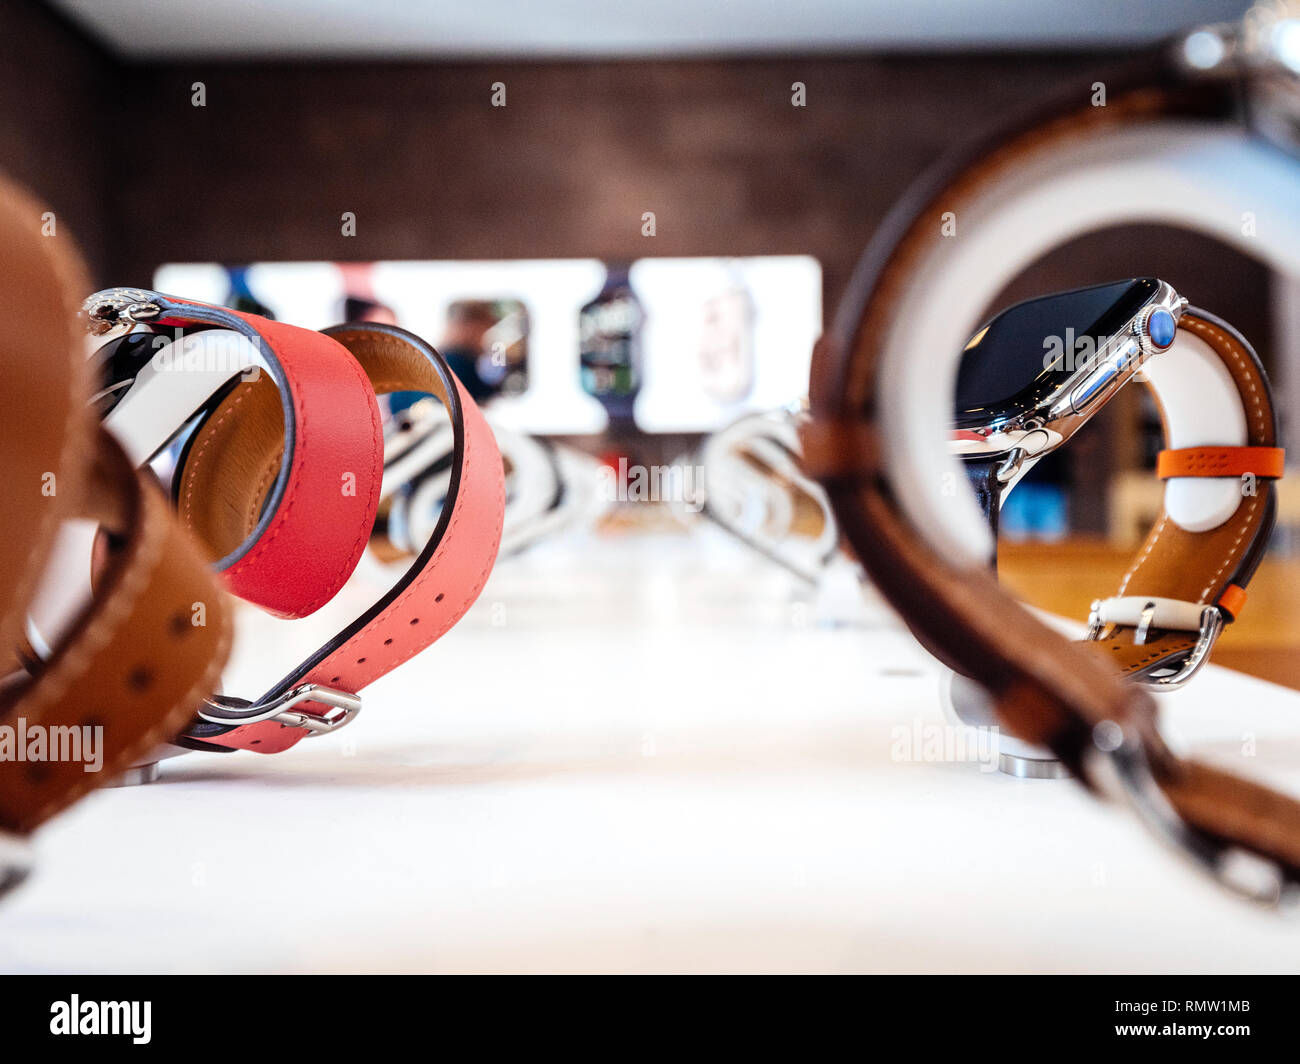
[156, 632]
[1046, 690]
[294, 541]
[446, 577]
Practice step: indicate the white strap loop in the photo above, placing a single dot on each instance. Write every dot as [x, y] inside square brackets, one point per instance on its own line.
[1171, 614]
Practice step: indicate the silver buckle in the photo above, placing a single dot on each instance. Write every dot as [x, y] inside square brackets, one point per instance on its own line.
[1117, 762]
[115, 311]
[1177, 676]
[15, 861]
[344, 706]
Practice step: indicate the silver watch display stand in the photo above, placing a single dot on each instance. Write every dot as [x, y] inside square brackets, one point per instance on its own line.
[967, 703]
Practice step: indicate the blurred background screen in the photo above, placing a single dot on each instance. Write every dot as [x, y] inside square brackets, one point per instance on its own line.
[700, 340]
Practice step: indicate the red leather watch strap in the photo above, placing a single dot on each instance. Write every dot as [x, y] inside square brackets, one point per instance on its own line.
[447, 576]
[314, 492]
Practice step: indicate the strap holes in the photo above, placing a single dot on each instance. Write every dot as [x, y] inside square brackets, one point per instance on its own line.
[388, 642]
[178, 625]
[361, 661]
[140, 678]
[415, 621]
[335, 679]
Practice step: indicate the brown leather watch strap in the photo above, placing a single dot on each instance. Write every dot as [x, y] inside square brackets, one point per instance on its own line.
[1046, 689]
[149, 647]
[1176, 564]
[153, 637]
[43, 416]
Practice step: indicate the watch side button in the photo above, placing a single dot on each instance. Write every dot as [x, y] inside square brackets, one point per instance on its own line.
[1092, 386]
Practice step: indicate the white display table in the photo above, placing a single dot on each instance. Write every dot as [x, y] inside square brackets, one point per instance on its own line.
[641, 755]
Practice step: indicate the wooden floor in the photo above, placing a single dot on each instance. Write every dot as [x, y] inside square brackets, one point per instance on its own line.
[1065, 577]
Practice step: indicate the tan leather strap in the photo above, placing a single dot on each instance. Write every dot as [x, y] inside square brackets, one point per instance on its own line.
[148, 649]
[1198, 567]
[153, 638]
[1046, 689]
[44, 425]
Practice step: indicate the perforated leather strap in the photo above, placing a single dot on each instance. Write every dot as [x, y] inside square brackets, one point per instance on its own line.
[150, 646]
[447, 576]
[1047, 691]
[1221, 462]
[128, 665]
[313, 467]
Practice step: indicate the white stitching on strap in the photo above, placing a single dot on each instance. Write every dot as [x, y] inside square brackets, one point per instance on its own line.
[1222, 342]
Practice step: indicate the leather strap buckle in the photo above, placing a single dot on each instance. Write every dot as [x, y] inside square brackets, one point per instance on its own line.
[1118, 764]
[1163, 676]
[118, 310]
[343, 708]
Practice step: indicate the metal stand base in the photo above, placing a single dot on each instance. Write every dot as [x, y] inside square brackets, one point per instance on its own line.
[1032, 768]
[966, 702]
[137, 775]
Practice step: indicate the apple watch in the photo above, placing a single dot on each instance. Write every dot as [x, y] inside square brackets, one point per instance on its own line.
[880, 438]
[1031, 377]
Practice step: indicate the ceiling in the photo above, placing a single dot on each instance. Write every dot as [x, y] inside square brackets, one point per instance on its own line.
[238, 29]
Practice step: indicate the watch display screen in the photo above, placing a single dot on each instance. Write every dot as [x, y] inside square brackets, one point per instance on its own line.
[1029, 350]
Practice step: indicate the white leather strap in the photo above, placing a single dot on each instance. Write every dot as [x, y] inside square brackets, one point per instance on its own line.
[1170, 614]
[178, 380]
[1202, 408]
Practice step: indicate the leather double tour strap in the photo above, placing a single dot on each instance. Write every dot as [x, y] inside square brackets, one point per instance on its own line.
[1157, 619]
[444, 579]
[313, 464]
[155, 634]
[1196, 567]
[148, 648]
[1047, 690]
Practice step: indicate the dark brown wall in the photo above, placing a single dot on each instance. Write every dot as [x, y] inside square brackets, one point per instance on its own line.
[567, 168]
[54, 85]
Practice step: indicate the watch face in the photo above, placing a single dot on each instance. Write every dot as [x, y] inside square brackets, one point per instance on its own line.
[1028, 351]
